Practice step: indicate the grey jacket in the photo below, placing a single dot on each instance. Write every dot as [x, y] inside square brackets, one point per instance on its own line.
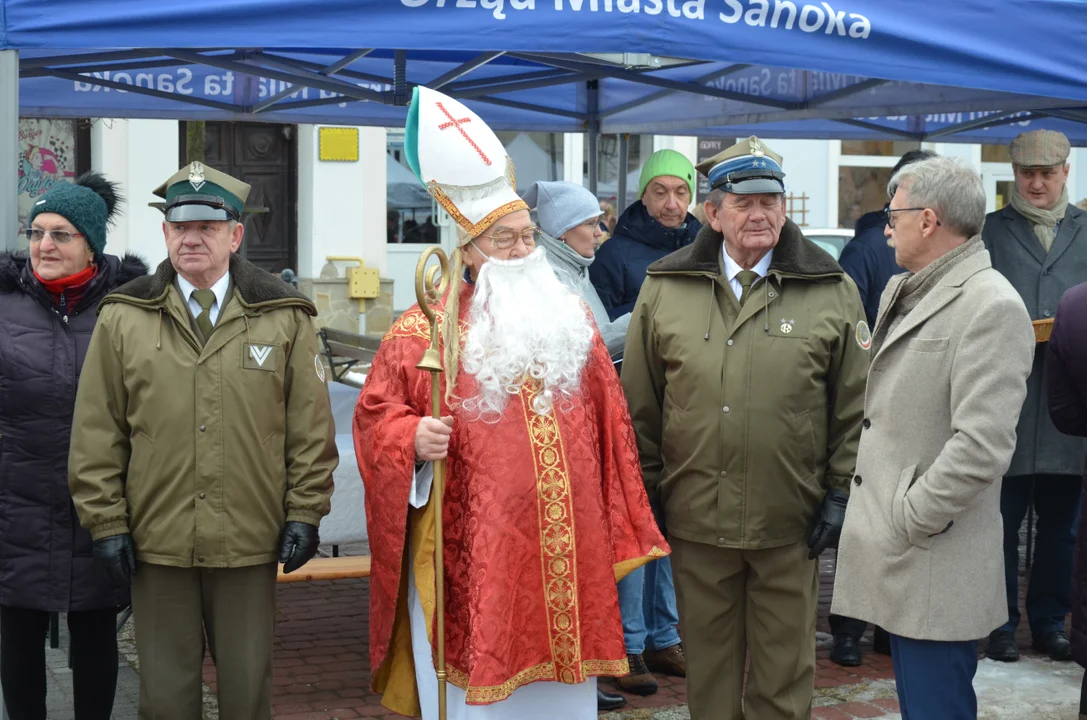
[920, 552]
[1040, 280]
[573, 271]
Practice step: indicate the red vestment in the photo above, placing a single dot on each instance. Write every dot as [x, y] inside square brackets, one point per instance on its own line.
[541, 514]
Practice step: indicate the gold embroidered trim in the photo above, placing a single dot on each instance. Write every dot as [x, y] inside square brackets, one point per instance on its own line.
[475, 229]
[486, 694]
[413, 323]
[558, 547]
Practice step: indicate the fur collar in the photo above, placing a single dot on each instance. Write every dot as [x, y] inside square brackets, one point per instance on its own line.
[794, 256]
[257, 287]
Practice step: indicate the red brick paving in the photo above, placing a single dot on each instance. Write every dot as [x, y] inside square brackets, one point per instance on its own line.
[322, 668]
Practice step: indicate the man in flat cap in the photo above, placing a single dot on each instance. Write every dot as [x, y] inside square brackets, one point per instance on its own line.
[1039, 242]
[744, 370]
[202, 451]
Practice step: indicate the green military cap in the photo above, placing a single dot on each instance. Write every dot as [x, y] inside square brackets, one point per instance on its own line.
[1040, 148]
[198, 192]
[746, 168]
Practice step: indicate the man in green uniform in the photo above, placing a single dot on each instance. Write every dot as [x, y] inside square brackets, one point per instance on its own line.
[744, 370]
[202, 451]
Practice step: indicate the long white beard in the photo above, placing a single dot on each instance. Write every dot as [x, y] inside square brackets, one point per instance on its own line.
[524, 323]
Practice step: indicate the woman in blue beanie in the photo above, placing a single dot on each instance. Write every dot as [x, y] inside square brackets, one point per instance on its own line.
[48, 303]
[569, 217]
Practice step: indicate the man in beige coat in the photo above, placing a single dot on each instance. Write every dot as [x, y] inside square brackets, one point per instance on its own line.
[920, 553]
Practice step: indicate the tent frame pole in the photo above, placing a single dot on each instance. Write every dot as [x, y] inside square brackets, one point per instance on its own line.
[621, 193]
[9, 149]
[593, 129]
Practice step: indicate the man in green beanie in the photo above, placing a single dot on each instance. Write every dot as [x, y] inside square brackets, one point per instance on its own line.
[654, 226]
[202, 451]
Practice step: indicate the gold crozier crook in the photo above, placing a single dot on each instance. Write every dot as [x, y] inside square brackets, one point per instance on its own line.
[430, 285]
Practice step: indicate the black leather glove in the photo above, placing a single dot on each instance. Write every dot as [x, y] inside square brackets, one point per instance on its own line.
[297, 544]
[117, 556]
[828, 526]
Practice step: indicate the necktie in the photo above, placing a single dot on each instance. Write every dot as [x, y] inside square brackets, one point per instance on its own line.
[205, 299]
[747, 278]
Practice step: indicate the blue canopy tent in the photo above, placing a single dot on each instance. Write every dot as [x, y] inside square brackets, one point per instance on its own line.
[898, 69]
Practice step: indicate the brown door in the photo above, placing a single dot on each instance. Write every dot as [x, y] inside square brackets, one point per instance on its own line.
[264, 156]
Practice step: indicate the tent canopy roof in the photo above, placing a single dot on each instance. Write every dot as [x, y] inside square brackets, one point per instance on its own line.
[909, 68]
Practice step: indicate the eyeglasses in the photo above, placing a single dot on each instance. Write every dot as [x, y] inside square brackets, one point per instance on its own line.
[506, 239]
[60, 237]
[891, 218]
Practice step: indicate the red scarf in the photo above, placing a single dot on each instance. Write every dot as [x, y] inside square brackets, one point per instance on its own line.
[72, 288]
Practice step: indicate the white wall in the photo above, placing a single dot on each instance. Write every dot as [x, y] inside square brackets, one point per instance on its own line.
[811, 169]
[140, 155]
[341, 205]
[1077, 176]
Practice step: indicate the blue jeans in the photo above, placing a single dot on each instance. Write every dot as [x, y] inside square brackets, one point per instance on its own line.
[1056, 501]
[647, 602]
[935, 680]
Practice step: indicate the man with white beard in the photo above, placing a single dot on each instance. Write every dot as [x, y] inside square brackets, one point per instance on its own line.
[544, 507]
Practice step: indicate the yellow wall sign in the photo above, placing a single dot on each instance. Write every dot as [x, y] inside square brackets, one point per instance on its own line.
[338, 144]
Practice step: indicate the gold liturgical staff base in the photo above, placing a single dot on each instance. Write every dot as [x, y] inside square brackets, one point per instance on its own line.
[430, 285]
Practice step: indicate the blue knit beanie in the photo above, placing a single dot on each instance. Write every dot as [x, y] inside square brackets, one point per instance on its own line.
[89, 203]
[561, 206]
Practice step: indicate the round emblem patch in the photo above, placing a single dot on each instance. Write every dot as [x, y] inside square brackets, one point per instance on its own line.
[864, 335]
[320, 367]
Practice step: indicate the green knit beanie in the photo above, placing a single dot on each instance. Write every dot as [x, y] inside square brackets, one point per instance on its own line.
[667, 162]
[89, 203]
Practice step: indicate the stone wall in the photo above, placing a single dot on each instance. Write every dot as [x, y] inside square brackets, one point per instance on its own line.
[338, 311]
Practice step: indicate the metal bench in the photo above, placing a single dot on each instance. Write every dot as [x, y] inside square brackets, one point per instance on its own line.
[345, 350]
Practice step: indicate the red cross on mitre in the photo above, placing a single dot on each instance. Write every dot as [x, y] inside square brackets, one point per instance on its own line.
[458, 124]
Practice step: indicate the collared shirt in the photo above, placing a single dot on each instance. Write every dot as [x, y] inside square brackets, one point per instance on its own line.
[732, 269]
[219, 288]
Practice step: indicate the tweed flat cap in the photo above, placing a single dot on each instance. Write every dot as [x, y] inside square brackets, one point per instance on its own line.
[1039, 148]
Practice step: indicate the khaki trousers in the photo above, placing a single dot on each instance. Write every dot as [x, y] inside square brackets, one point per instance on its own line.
[174, 608]
[734, 603]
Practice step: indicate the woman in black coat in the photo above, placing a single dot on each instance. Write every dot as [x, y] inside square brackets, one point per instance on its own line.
[1066, 393]
[48, 304]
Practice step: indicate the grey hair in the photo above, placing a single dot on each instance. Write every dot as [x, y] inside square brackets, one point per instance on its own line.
[952, 189]
[716, 197]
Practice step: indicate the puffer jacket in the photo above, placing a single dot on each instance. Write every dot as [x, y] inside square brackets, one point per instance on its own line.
[45, 556]
[621, 263]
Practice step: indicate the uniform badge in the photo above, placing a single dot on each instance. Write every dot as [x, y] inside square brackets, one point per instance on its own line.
[320, 366]
[787, 325]
[196, 176]
[260, 353]
[864, 335]
[756, 147]
[258, 356]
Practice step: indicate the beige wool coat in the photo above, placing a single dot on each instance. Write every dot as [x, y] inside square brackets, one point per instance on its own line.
[921, 552]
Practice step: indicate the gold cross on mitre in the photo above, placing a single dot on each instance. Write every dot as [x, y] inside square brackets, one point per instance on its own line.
[461, 161]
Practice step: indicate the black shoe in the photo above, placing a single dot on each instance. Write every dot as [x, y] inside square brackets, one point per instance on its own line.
[846, 651]
[1002, 646]
[607, 701]
[881, 641]
[1054, 644]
